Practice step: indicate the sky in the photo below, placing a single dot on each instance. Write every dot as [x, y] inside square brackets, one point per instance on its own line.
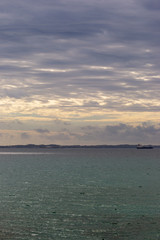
[79, 72]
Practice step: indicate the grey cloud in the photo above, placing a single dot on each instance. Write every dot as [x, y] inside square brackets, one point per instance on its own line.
[152, 5]
[60, 137]
[60, 122]
[10, 124]
[122, 133]
[67, 123]
[16, 93]
[25, 136]
[42, 131]
[17, 121]
[145, 133]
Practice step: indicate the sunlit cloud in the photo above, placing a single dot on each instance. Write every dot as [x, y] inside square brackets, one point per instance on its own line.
[55, 70]
[101, 68]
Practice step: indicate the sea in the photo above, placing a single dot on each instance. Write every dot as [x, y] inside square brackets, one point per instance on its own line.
[80, 194]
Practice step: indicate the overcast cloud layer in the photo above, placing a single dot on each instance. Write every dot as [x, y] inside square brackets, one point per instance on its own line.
[74, 72]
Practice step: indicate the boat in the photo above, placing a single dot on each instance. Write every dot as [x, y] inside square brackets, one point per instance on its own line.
[140, 146]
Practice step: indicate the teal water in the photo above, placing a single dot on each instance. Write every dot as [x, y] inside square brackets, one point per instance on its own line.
[79, 194]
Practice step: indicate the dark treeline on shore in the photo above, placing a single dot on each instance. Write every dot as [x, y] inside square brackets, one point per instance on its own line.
[72, 146]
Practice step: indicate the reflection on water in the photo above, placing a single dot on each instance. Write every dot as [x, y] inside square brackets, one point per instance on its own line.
[24, 153]
[80, 194]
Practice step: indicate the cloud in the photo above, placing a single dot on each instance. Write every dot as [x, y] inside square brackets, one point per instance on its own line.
[122, 133]
[25, 136]
[10, 123]
[152, 5]
[61, 122]
[145, 133]
[42, 131]
[17, 121]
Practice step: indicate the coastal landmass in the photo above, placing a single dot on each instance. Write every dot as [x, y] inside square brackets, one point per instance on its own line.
[72, 146]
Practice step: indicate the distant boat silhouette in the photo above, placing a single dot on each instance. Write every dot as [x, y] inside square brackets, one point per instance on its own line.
[140, 146]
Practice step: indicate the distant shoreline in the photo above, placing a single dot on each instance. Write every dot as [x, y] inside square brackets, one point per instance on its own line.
[51, 146]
